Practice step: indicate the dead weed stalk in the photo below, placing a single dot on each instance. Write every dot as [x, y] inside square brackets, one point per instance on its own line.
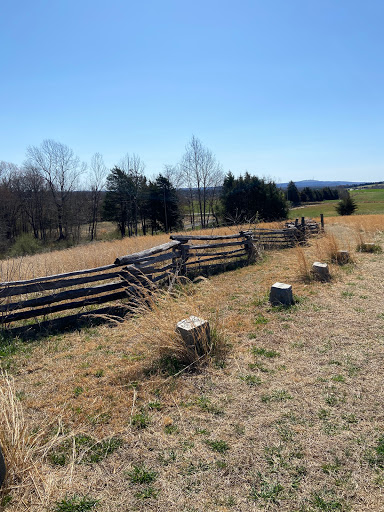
[303, 267]
[327, 247]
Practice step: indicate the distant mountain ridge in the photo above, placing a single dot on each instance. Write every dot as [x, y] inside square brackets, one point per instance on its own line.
[320, 184]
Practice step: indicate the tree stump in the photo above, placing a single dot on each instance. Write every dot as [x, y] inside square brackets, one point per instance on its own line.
[195, 332]
[321, 271]
[281, 294]
[370, 247]
[342, 257]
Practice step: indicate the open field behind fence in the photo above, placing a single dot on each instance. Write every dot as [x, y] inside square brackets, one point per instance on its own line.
[369, 202]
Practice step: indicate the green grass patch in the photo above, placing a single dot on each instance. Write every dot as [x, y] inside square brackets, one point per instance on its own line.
[140, 420]
[146, 493]
[369, 248]
[314, 210]
[251, 380]
[217, 446]
[376, 456]
[76, 503]
[328, 505]
[141, 475]
[205, 404]
[261, 319]
[84, 449]
[278, 395]
[338, 378]
[369, 201]
[266, 490]
[260, 351]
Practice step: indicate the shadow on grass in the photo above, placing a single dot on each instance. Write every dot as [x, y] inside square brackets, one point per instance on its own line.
[66, 324]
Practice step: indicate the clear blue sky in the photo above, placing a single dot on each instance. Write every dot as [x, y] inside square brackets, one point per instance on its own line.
[288, 89]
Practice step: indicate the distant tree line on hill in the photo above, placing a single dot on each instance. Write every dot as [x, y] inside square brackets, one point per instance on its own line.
[377, 185]
[308, 195]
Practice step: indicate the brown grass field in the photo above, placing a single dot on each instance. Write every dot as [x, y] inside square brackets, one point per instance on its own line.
[285, 413]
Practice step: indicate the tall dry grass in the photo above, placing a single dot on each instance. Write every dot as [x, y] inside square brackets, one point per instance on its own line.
[326, 248]
[156, 314]
[338, 235]
[92, 255]
[20, 448]
[367, 223]
[303, 264]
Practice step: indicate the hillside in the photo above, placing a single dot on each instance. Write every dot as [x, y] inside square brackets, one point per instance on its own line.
[319, 184]
[370, 201]
[286, 413]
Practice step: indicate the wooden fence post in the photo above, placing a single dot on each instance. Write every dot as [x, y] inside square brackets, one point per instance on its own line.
[322, 221]
[248, 246]
[301, 231]
[174, 260]
[184, 249]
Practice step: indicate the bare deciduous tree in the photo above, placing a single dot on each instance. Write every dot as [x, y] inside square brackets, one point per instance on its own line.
[10, 204]
[61, 169]
[34, 193]
[98, 174]
[173, 174]
[201, 172]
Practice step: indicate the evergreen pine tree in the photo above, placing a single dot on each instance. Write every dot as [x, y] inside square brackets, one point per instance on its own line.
[346, 206]
[293, 194]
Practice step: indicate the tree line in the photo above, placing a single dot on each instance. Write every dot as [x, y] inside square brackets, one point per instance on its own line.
[55, 199]
[309, 195]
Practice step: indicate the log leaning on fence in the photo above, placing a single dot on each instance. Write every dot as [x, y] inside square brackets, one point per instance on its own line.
[186, 238]
[134, 258]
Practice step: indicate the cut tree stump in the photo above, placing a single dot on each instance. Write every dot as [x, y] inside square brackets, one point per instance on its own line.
[281, 294]
[195, 332]
[342, 257]
[321, 271]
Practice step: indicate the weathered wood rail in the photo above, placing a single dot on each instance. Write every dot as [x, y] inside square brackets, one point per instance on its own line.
[42, 296]
[294, 232]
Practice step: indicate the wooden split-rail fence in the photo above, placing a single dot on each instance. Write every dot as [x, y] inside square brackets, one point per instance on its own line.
[294, 232]
[183, 254]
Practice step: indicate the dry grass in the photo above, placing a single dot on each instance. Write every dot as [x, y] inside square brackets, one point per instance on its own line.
[91, 255]
[290, 419]
[21, 449]
[303, 265]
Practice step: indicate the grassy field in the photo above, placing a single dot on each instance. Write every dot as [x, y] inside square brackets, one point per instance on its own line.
[369, 201]
[313, 211]
[92, 255]
[284, 414]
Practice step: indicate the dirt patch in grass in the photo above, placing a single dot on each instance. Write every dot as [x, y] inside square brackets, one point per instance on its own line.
[288, 416]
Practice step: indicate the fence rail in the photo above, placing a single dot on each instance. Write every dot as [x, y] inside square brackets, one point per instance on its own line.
[22, 300]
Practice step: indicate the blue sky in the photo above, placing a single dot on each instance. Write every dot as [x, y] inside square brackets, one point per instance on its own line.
[287, 89]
